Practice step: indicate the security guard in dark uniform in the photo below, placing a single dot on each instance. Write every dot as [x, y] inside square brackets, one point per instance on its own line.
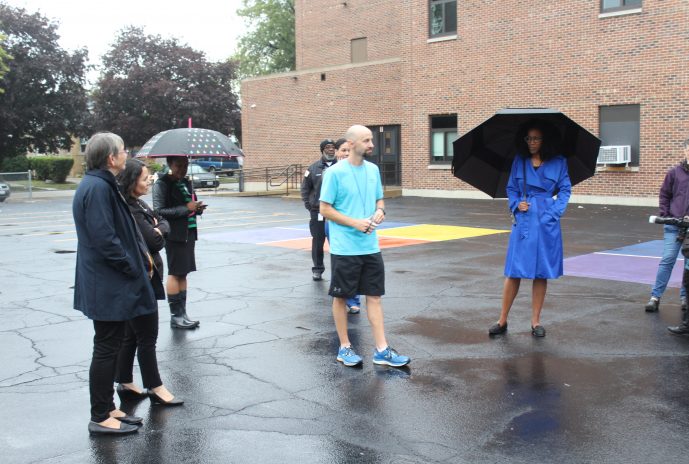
[310, 194]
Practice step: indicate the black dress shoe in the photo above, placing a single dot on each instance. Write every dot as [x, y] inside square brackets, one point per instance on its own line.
[97, 429]
[497, 329]
[132, 420]
[155, 399]
[126, 394]
[681, 329]
[538, 331]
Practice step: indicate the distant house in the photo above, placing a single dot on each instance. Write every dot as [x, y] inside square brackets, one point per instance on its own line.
[76, 152]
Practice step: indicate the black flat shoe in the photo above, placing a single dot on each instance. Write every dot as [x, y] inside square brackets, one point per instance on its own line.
[497, 329]
[131, 420]
[97, 429]
[538, 331]
[155, 399]
[126, 394]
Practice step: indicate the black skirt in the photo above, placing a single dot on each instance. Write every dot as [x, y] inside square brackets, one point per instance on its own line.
[180, 256]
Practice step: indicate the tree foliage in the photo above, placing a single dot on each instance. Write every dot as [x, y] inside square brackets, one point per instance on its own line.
[269, 45]
[149, 84]
[4, 58]
[45, 102]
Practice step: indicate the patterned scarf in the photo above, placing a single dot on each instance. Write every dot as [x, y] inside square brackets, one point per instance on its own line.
[182, 187]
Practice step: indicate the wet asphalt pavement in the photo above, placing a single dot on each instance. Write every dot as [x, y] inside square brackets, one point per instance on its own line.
[608, 384]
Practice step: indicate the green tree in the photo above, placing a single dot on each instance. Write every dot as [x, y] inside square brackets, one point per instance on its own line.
[268, 47]
[45, 103]
[149, 84]
[4, 58]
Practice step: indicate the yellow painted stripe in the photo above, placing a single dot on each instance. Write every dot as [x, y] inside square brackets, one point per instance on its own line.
[438, 233]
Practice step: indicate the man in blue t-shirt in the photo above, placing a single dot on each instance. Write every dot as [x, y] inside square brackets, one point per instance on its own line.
[352, 200]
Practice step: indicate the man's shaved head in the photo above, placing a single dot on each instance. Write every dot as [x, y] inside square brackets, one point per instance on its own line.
[360, 139]
[355, 132]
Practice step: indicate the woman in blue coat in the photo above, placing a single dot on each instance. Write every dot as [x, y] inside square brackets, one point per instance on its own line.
[112, 274]
[535, 247]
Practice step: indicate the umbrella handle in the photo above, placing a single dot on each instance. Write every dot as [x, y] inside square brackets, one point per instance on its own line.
[524, 171]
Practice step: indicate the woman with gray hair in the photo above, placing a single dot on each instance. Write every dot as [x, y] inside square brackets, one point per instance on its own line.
[112, 274]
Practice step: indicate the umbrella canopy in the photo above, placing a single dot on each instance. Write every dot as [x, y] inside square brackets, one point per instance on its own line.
[483, 156]
[190, 142]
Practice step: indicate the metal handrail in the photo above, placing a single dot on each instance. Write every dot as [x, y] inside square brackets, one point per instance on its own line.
[291, 176]
[274, 176]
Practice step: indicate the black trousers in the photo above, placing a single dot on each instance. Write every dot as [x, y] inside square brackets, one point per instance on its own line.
[317, 229]
[140, 337]
[106, 345]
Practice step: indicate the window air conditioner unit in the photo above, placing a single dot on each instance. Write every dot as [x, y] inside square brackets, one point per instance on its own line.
[614, 154]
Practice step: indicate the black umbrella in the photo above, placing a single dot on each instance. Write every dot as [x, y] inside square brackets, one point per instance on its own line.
[483, 156]
[190, 142]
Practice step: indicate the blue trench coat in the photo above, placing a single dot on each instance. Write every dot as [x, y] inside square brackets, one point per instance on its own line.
[535, 247]
[111, 282]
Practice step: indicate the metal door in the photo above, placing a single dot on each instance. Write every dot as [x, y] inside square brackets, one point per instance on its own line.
[386, 153]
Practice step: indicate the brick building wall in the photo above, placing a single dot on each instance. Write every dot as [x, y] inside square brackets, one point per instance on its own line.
[287, 115]
[507, 53]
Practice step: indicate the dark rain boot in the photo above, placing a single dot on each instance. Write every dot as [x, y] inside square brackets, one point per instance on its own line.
[183, 295]
[683, 328]
[177, 313]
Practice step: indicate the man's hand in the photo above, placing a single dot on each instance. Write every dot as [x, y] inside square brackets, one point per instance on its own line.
[523, 206]
[365, 225]
[378, 216]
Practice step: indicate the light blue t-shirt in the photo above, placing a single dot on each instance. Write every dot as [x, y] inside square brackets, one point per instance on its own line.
[353, 191]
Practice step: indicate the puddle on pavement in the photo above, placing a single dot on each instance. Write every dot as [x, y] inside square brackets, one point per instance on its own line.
[446, 331]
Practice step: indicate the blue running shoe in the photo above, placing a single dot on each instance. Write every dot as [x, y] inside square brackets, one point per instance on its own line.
[390, 357]
[348, 356]
[353, 309]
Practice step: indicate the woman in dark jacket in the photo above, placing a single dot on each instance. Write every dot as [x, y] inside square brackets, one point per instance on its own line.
[141, 333]
[174, 200]
[112, 274]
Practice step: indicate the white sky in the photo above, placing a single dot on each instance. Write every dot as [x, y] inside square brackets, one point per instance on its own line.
[210, 26]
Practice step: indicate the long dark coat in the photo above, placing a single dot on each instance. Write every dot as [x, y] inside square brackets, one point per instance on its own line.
[535, 248]
[148, 221]
[111, 281]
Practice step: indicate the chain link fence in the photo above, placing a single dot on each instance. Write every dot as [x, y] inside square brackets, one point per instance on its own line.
[15, 184]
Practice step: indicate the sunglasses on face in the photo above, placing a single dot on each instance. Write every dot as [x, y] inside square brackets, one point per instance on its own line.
[528, 139]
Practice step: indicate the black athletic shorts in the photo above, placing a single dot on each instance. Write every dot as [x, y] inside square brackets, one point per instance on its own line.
[357, 275]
